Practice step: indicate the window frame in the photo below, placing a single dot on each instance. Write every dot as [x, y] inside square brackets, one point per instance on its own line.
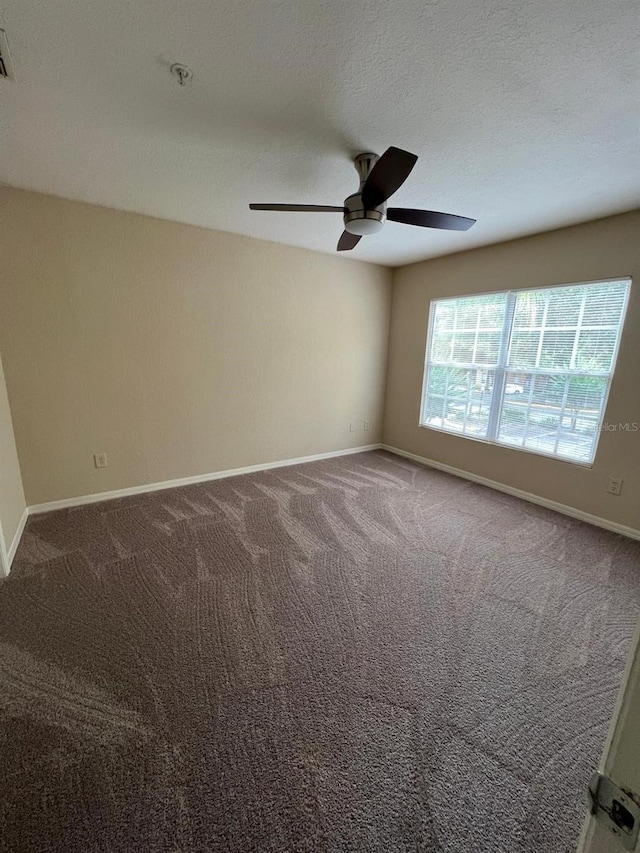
[501, 370]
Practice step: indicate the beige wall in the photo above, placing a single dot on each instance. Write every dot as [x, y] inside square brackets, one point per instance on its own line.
[598, 250]
[12, 503]
[176, 350]
[180, 351]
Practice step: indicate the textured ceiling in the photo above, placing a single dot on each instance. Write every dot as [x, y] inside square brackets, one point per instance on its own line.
[525, 116]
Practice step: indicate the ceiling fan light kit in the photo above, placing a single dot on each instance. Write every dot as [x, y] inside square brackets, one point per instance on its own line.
[365, 211]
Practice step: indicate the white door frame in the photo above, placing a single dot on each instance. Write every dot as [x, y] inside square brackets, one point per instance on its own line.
[621, 754]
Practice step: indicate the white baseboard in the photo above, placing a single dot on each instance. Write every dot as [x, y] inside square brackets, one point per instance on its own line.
[16, 539]
[7, 554]
[613, 526]
[187, 481]
[4, 562]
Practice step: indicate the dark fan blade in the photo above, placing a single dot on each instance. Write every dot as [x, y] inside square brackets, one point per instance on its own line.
[348, 241]
[388, 175]
[299, 208]
[429, 219]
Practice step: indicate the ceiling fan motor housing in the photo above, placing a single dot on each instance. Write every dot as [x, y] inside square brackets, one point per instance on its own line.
[357, 220]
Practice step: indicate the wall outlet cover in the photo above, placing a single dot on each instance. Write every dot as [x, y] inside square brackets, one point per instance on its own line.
[615, 485]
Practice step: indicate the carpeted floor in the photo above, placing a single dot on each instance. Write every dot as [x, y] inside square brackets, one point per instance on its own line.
[359, 654]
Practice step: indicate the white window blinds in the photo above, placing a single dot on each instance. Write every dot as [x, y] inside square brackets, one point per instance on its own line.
[528, 368]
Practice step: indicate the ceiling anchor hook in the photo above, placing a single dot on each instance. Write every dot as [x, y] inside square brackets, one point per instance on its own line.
[182, 73]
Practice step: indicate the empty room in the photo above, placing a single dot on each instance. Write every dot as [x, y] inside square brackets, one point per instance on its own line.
[319, 426]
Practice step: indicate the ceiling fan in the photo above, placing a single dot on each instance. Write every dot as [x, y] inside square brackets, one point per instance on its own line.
[366, 211]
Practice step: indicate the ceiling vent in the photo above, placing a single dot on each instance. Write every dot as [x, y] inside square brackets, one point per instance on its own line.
[6, 68]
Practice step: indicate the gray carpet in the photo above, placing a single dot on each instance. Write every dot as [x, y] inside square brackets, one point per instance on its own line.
[352, 655]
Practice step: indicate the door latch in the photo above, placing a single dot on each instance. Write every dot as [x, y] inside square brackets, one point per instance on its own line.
[616, 809]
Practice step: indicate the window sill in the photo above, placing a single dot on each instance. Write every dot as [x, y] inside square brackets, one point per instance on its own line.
[528, 450]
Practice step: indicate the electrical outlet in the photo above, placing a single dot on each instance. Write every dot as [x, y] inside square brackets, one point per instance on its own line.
[615, 485]
[352, 427]
[366, 426]
[100, 460]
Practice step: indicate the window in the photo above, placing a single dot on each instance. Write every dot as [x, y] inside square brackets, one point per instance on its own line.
[525, 368]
